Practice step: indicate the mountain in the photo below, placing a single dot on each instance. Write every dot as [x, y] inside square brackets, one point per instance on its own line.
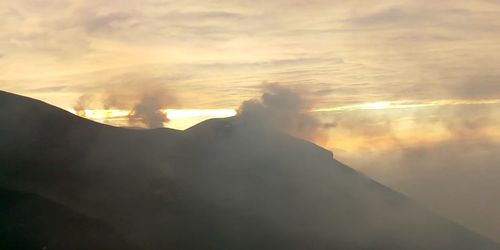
[32, 222]
[222, 184]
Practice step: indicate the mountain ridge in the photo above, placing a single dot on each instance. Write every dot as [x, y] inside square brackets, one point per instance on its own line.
[227, 184]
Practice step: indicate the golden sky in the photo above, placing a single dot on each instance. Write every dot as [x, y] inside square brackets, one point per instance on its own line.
[387, 76]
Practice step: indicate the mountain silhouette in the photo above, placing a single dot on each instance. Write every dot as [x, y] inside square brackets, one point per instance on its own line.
[32, 222]
[221, 184]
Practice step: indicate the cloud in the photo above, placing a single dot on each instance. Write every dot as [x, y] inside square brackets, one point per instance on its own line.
[50, 89]
[444, 157]
[363, 124]
[201, 16]
[83, 103]
[284, 108]
[146, 102]
[92, 22]
[372, 53]
[149, 111]
[481, 86]
[389, 50]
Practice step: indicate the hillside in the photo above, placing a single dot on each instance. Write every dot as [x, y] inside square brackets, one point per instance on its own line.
[32, 222]
[219, 185]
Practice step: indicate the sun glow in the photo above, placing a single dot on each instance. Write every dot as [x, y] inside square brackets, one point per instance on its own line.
[190, 113]
[179, 118]
[375, 105]
[409, 104]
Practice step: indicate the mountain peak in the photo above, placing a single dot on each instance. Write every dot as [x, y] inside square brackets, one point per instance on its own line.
[224, 183]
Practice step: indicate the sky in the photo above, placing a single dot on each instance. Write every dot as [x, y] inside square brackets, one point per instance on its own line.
[407, 92]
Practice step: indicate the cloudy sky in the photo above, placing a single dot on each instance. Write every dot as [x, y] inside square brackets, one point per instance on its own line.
[408, 91]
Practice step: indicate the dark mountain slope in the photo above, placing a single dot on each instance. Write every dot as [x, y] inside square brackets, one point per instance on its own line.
[31, 222]
[219, 185]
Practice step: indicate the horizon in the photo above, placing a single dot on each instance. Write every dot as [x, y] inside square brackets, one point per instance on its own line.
[407, 93]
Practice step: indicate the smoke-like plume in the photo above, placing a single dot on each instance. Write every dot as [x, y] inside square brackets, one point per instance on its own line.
[284, 108]
[150, 109]
[145, 102]
[82, 103]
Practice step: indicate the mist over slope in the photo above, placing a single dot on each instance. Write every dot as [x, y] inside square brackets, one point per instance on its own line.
[222, 184]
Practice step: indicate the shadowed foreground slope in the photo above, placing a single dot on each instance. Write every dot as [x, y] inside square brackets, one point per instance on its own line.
[31, 222]
[221, 184]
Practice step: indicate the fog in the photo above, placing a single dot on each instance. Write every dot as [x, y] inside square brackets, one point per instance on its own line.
[444, 157]
[224, 183]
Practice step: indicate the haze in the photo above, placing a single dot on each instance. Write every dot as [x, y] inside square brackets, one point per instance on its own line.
[407, 92]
